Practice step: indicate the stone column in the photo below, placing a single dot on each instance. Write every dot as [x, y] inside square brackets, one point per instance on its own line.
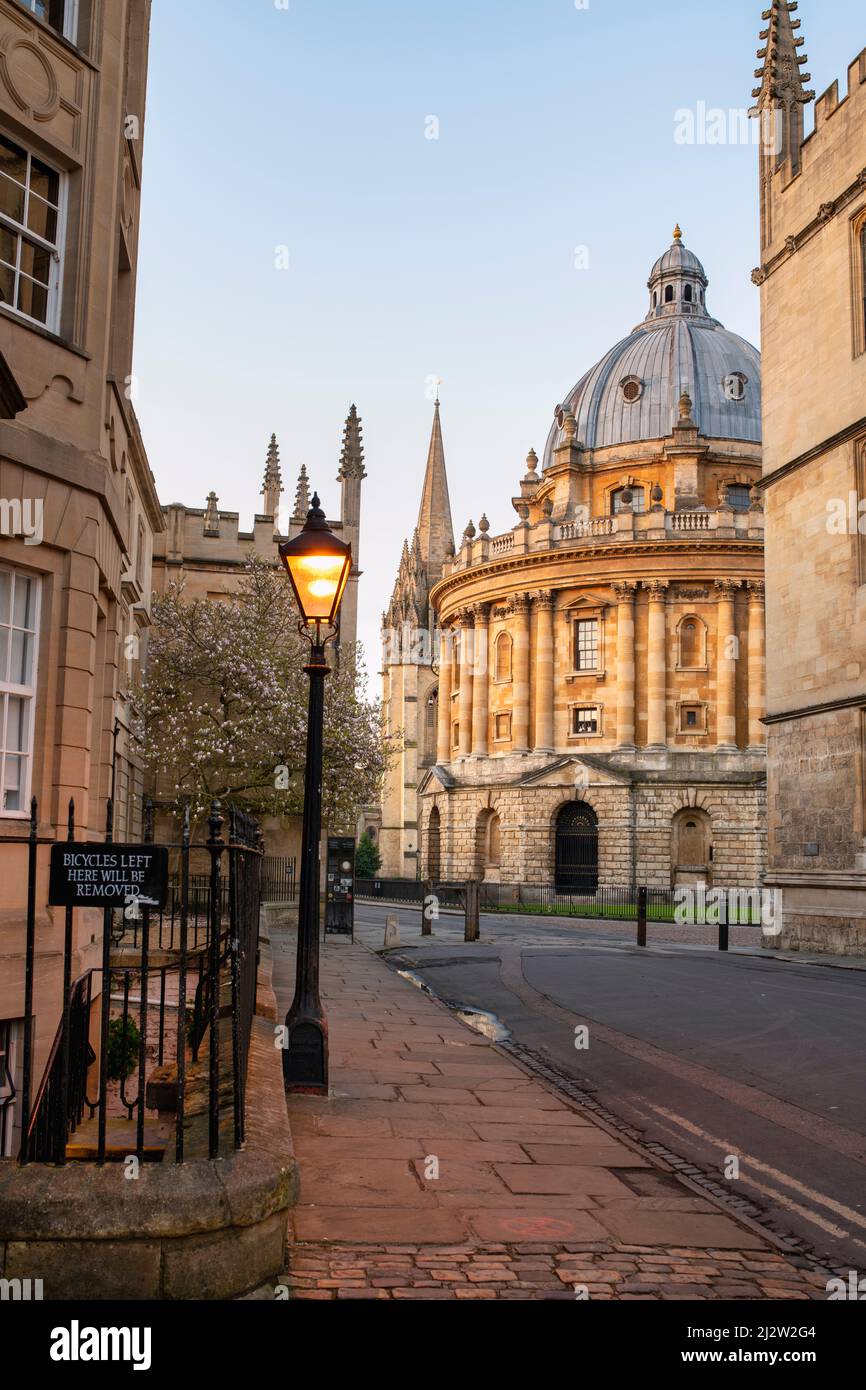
[625, 592]
[443, 741]
[545, 661]
[480, 682]
[520, 674]
[726, 665]
[757, 665]
[657, 665]
[466, 668]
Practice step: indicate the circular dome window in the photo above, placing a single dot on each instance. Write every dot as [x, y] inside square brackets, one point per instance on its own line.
[632, 389]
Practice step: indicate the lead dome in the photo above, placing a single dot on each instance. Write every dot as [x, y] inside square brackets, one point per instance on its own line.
[633, 393]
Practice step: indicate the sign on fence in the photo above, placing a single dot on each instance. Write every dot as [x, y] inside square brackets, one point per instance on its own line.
[108, 875]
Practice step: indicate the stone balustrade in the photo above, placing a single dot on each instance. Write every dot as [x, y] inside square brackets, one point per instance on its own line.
[598, 530]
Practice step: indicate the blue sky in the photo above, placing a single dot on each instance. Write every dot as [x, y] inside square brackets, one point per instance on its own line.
[306, 127]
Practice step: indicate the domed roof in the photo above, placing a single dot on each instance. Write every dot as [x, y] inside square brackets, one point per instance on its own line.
[633, 393]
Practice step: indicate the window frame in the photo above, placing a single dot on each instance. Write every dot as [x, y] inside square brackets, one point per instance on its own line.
[858, 274]
[506, 715]
[585, 705]
[701, 706]
[627, 487]
[29, 694]
[56, 250]
[69, 28]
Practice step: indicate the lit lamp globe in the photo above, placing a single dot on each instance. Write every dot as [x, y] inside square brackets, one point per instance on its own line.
[318, 565]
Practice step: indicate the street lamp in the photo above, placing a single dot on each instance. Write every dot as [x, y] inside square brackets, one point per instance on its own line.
[318, 566]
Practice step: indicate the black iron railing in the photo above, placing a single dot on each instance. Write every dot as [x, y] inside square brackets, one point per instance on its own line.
[616, 903]
[279, 880]
[127, 1059]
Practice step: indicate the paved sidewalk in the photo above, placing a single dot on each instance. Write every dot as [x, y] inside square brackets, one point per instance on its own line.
[437, 1168]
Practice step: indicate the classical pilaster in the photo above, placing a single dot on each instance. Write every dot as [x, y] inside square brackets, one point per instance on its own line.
[443, 740]
[467, 665]
[520, 667]
[480, 713]
[545, 605]
[757, 665]
[657, 664]
[726, 664]
[625, 592]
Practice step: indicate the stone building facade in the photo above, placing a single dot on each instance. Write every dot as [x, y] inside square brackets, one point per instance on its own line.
[204, 548]
[410, 641]
[78, 507]
[813, 302]
[601, 673]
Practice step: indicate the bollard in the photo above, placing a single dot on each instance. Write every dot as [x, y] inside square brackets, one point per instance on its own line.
[641, 916]
[426, 921]
[723, 930]
[392, 932]
[472, 898]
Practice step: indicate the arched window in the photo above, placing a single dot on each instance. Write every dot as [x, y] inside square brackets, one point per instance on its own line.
[576, 862]
[863, 282]
[655, 298]
[455, 662]
[431, 725]
[669, 294]
[638, 500]
[502, 671]
[434, 845]
[692, 648]
[739, 497]
[687, 295]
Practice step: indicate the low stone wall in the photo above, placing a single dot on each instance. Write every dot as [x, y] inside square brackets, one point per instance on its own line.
[200, 1230]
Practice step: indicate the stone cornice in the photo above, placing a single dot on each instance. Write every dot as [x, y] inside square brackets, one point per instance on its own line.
[512, 564]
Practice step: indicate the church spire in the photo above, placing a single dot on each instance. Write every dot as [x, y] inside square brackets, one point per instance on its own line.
[302, 496]
[435, 530]
[272, 489]
[352, 454]
[782, 93]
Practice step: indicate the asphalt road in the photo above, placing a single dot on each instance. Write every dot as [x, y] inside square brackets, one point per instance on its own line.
[715, 1056]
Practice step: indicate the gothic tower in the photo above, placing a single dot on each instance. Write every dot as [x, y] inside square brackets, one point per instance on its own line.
[350, 476]
[410, 664]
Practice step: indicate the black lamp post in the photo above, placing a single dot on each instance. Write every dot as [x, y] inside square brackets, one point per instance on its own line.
[318, 565]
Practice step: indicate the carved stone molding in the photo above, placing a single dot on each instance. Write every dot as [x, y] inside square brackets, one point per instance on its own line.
[657, 589]
[625, 590]
[480, 613]
[17, 79]
[757, 590]
[726, 588]
[520, 605]
[544, 599]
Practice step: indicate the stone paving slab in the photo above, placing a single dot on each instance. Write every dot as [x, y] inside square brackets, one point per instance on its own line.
[448, 1172]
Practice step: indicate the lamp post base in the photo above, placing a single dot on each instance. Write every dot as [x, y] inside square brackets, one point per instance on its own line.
[305, 1061]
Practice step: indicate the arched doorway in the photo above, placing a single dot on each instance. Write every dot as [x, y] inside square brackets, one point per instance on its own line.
[434, 845]
[691, 847]
[577, 848]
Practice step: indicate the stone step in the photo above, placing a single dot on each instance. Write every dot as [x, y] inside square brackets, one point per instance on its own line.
[120, 1140]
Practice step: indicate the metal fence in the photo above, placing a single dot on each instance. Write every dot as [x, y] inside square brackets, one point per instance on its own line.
[122, 1049]
[279, 882]
[615, 903]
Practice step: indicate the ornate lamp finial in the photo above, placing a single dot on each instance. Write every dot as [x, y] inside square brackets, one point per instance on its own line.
[678, 236]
